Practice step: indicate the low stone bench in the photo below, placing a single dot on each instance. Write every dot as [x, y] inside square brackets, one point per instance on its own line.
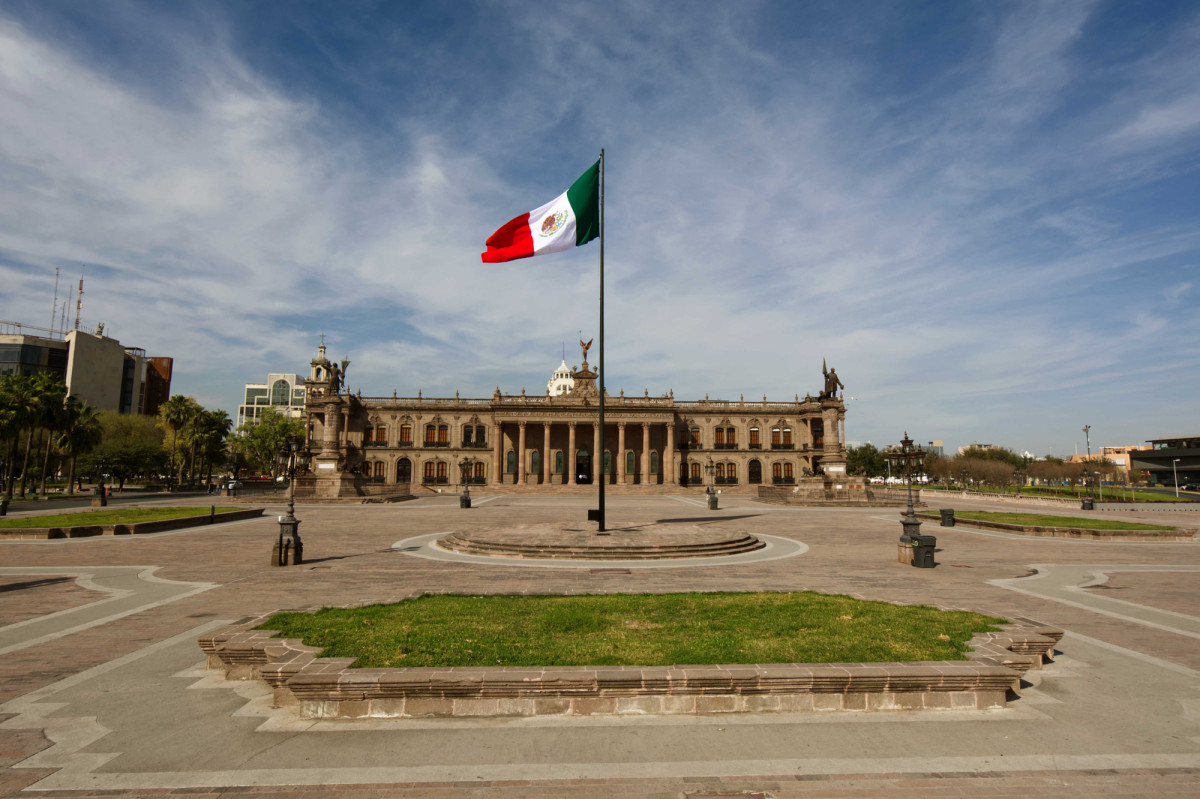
[330, 688]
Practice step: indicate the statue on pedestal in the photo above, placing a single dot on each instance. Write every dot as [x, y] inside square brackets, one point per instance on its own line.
[832, 382]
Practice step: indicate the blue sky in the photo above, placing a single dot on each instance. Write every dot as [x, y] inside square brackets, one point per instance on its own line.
[984, 215]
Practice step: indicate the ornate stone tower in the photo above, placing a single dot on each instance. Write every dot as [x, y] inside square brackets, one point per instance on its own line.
[324, 402]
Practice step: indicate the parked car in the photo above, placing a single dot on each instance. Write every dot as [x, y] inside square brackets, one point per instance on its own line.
[233, 485]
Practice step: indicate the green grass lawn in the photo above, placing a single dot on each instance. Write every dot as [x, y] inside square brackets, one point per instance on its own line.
[1111, 493]
[116, 516]
[1042, 520]
[633, 630]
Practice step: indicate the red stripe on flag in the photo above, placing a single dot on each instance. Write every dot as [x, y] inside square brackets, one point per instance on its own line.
[512, 241]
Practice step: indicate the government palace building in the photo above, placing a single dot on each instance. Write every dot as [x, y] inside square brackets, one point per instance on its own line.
[377, 446]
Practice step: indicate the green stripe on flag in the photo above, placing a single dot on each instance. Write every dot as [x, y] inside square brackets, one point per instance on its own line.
[584, 197]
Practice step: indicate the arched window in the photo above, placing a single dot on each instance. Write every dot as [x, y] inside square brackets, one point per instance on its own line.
[776, 436]
[558, 462]
[381, 435]
[776, 471]
[480, 435]
[368, 435]
[443, 434]
[535, 462]
[430, 434]
[427, 472]
[720, 471]
[380, 471]
[479, 473]
[281, 393]
[441, 471]
[694, 437]
[510, 464]
[468, 435]
[730, 438]
[630, 463]
[755, 438]
[731, 473]
[404, 471]
[695, 476]
[787, 472]
[755, 471]
[653, 462]
[607, 462]
[406, 435]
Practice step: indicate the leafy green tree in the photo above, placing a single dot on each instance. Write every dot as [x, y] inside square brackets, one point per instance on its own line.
[53, 415]
[999, 454]
[261, 441]
[213, 431]
[866, 460]
[131, 445]
[177, 414]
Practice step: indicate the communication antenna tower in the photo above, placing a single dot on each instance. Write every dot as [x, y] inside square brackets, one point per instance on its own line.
[79, 301]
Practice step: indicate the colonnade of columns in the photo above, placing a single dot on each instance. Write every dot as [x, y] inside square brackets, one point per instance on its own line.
[571, 461]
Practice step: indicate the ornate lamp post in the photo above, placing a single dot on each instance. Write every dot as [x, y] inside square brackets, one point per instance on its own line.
[964, 479]
[1020, 480]
[710, 469]
[1089, 501]
[908, 460]
[99, 494]
[464, 467]
[289, 549]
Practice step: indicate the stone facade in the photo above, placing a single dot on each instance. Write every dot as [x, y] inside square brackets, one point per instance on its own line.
[380, 445]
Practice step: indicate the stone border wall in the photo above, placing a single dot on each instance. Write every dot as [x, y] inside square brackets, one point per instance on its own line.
[136, 528]
[1178, 534]
[329, 688]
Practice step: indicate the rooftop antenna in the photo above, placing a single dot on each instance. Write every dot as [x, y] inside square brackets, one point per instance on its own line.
[54, 309]
[79, 300]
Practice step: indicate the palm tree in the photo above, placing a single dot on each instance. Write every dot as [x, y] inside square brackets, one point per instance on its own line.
[53, 402]
[176, 413]
[216, 425]
[18, 396]
[80, 433]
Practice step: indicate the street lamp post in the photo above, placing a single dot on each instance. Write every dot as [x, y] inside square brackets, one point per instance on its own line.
[908, 460]
[289, 549]
[464, 499]
[1175, 475]
[964, 479]
[1089, 501]
[710, 469]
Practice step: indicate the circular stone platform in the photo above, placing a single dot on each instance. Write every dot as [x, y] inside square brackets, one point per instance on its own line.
[573, 542]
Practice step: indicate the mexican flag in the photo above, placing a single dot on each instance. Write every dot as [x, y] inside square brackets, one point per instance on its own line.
[569, 220]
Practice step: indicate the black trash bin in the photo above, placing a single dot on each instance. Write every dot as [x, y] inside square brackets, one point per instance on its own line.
[1088, 504]
[3, 507]
[923, 551]
[947, 517]
[712, 501]
[464, 500]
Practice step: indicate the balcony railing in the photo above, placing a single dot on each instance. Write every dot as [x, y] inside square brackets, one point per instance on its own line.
[405, 445]
[437, 444]
[439, 481]
[475, 481]
[726, 445]
[726, 481]
[783, 481]
[375, 443]
[756, 446]
[782, 446]
[475, 445]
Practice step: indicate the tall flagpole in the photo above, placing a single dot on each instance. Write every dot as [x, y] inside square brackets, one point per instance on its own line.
[599, 456]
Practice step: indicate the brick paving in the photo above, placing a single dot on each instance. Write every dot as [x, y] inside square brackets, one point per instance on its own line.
[351, 560]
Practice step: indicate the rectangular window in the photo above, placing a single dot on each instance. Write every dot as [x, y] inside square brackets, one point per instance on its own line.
[443, 434]
[430, 434]
[720, 442]
[480, 435]
[405, 434]
[468, 435]
[776, 437]
[731, 437]
[381, 434]
[787, 436]
[755, 441]
[787, 471]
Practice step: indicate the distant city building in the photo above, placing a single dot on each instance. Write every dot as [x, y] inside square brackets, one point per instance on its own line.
[1121, 457]
[1168, 458]
[97, 369]
[981, 447]
[283, 392]
[934, 448]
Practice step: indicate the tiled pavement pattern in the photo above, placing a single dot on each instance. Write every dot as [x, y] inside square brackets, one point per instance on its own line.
[1156, 753]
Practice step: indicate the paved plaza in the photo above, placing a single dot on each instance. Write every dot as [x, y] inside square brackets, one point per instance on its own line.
[103, 688]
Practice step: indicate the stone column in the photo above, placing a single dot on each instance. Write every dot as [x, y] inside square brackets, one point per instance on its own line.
[546, 454]
[597, 455]
[842, 429]
[829, 416]
[621, 453]
[498, 454]
[571, 464]
[332, 433]
[669, 457]
[521, 454]
[645, 453]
